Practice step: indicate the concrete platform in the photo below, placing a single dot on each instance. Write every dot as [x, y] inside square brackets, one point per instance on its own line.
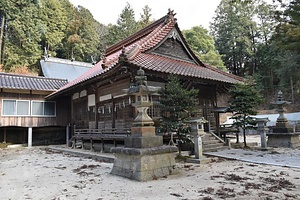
[272, 156]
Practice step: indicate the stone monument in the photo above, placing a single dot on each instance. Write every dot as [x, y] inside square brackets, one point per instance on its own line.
[143, 157]
[283, 134]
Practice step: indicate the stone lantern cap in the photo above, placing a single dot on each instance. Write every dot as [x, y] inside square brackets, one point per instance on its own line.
[264, 119]
[197, 126]
[198, 121]
[142, 89]
[280, 100]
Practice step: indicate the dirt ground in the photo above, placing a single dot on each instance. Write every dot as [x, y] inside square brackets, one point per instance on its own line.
[39, 173]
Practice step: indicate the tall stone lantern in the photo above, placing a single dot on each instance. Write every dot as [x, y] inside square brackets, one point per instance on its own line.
[143, 157]
[197, 131]
[283, 134]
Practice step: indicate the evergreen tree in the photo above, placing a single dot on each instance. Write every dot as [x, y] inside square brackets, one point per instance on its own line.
[203, 46]
[126, 25]
[243, 101]
[231, 29]
[177, 104]
[145, 18]
[54, 20]
[21, 34]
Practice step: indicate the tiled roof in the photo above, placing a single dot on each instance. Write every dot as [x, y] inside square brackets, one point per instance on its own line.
[63, 69]
[136, 49]
[23, 82]
[167, 65]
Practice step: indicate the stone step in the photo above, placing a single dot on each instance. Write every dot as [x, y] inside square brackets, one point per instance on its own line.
[213, 145]
[211, 142]
[220, 148]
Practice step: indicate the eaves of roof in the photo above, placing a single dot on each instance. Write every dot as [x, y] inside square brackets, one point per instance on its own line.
[136, 50]
[24, 82]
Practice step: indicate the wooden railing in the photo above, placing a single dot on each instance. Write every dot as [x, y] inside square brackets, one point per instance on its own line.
[102, 133]
[90, 135]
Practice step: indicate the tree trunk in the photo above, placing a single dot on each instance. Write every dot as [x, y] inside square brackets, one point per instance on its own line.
[244, 133]
[2, 15]
[179, 149]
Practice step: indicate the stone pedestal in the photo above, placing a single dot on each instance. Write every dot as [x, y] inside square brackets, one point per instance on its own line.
[198, 147]
[285, 140]
[144, 156]
[144, 164]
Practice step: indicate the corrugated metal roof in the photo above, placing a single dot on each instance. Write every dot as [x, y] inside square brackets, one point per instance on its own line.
[63, 69]
[23, 82]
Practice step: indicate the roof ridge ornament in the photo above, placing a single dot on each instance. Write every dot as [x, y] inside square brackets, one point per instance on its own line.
[123, 56]
[103, 60]
[171, 16]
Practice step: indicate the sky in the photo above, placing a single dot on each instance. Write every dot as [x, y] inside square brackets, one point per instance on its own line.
[189, 13]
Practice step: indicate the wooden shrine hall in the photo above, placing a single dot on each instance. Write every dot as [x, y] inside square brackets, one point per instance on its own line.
[99, 105]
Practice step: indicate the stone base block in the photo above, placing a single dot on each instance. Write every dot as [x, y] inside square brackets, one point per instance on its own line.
[145, 131]
[144, 142]
[285, 140]
[144, 164]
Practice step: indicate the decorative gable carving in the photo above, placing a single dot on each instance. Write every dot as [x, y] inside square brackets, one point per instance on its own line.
[173, 47]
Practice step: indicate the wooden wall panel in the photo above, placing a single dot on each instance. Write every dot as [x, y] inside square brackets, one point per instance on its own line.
[62, 113]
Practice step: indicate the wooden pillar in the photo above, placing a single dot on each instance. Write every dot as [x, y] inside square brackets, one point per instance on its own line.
[67, 135]
[29, 136]
[92, 143]
[113, 113]
[96, 108]
[4, 136]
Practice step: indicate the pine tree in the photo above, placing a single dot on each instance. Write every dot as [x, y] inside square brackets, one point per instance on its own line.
[177, 104]
[243, 101]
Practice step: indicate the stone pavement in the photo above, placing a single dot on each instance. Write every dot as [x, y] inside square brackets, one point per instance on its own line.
[273, 156]
[105, 157]
[284, 157]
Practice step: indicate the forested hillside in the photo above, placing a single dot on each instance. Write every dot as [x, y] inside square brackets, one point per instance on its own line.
[247, 38]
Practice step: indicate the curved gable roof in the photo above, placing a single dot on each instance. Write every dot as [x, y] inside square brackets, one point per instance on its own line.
[139, 49]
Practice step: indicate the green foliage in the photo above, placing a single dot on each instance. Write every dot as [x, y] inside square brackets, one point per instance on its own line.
[126, 25]
[288, 32]
[52, 25]
[203, 46]
[145, 18]
[28, 27]
[20, 43]
[278, 57]
[232, 30]
[244, 99]
[238, 28]
[177, 105]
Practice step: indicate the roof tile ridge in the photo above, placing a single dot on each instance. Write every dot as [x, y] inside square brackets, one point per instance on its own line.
[136, 35]
[156, 33]
[25, 76]
[143, 44]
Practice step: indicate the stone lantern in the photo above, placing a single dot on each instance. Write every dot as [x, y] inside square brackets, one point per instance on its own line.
[143, 157]
[283, 134]
[197, 131]
[262, 130]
